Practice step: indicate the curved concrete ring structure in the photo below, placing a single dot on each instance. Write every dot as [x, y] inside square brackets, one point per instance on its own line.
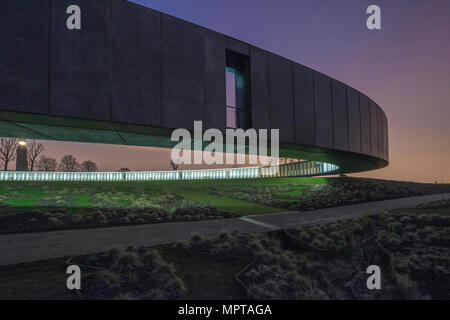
[131, 75]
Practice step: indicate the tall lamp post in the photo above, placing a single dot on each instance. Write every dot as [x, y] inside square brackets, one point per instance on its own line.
[22, 156]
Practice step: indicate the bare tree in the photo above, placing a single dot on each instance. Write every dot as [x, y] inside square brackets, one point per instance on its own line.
[89, 166]
[46, 164]
[7, 151]
[34, 150]
[69, 164]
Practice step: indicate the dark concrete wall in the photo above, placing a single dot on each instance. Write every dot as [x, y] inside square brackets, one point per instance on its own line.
[340, 124]
[385, 136]
[365, 124]
[259, 88]
[324, 110]
[215, 113]
[373, 129]
[305, 119]
[380, 146]
[80, 61]
[24, 30]
[281, 97]
[134, 65]
[238, 46]
[183, 73]
[354, 120]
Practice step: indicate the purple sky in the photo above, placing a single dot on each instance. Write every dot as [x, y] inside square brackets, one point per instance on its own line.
[405, 68]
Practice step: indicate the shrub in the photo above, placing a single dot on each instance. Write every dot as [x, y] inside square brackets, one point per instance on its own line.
[76, 217]
[59, 215]
[101, 285]
[224, 236]
[113, 255]
[53, 220]
[406, 288]
[181, 245]
[196, 237]
[125, 219]
[127, 260]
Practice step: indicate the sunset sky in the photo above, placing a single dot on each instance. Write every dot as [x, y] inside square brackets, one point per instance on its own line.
[405, 68]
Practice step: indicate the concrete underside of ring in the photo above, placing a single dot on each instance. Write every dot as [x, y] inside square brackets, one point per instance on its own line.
[43, 127]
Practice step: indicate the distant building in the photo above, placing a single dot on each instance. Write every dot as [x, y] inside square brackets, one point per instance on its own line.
[22, 156]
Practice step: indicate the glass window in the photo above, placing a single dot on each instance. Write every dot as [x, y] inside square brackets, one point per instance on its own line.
[231, 117]
[231, 87]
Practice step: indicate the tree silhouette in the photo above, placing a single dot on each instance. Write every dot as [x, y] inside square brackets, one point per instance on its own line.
[89, 166]
[7, 151]
[69, 164]
[34, 150]
[46, 164]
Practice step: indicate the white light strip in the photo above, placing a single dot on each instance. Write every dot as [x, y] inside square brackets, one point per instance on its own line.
[299, 169]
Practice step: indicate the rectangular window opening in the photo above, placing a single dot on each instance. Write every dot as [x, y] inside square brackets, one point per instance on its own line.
[238, 103]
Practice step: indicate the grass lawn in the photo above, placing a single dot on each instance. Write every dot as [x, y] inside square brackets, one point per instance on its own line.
[45, 206]
[16, 197]
[200, 191]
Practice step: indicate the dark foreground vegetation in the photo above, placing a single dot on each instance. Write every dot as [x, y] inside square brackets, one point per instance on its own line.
[63, 218]
[329, 261]
[130, 274]
[411, 246]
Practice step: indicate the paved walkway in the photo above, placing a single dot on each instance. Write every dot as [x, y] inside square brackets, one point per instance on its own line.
[46, 245]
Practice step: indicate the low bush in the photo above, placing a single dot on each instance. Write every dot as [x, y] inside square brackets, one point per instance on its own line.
[132, 274]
